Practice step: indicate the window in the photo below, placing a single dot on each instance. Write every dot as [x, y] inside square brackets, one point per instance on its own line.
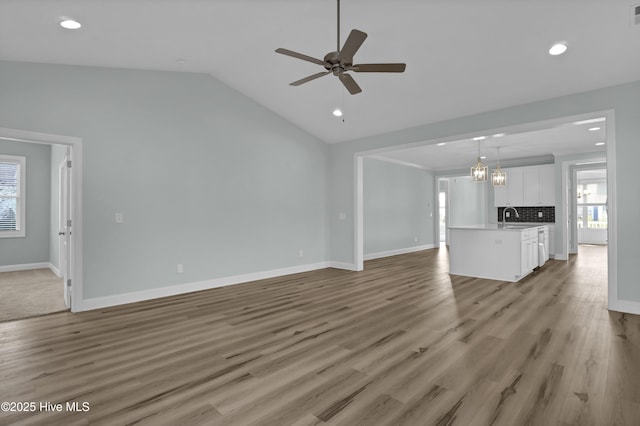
[592, 199]
[12, 196]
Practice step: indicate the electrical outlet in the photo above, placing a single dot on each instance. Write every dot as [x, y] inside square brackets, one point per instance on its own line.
[119, 218]
[508, 214]
[415, 239]
[301, 253]
[540, 214]
[180, 268]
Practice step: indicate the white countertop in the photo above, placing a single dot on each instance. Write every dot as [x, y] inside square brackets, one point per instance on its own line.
[513, 226]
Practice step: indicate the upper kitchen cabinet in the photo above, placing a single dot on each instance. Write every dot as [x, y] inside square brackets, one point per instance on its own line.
[528, 186]
[511, 193]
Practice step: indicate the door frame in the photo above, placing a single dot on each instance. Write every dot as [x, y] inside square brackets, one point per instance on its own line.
[75, 195]
[64, 213]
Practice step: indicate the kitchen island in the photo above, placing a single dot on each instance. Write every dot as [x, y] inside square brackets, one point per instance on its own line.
[506, 252]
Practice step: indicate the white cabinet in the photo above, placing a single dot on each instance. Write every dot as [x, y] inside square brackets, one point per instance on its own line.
[552, 241]
[531, 186]
[527, 187]
[539, 185]
[528, 251]
[511, 193]
[548, 185]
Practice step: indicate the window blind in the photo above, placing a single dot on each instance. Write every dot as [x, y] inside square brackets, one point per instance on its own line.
[9, 194]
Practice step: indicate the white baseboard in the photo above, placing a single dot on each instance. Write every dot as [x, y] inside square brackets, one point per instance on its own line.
[628, 307]
[24, 267]
[342, 265]
[396, 252]
[154, 293]
[55, 270]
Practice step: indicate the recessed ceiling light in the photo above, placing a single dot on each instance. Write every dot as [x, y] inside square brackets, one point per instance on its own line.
[337, 112]
[70, 24]
[498, 135]
[479, 138]
[558, 49]
[441, 144]
[599, 143]
[484, 157]
[593, 129]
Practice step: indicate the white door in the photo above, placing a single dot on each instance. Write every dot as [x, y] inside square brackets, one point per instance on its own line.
[65, 226]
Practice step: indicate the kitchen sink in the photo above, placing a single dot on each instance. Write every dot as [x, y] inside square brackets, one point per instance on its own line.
[516, 226]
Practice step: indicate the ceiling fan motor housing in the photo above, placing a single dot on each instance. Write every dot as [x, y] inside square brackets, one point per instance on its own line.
[332, 63]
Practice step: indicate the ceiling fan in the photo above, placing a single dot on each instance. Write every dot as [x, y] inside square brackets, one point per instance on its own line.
[341, 61]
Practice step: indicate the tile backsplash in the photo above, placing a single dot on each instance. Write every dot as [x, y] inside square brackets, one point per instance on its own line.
[530, 214]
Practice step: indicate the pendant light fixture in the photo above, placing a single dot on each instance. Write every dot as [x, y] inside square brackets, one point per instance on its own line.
[498, 177]
[479, 172]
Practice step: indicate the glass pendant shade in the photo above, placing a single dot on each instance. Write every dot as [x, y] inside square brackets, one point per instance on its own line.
[498, 177]
[479, 172]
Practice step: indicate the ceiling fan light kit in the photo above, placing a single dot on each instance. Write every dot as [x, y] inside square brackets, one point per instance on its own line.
[340, 62]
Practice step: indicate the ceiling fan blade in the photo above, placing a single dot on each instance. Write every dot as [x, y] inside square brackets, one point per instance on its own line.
[308, 79]
[378, 67]
[350, 83]
[351, 46]
[299, 56]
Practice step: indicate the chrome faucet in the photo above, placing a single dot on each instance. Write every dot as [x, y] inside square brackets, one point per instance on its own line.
[504, 212]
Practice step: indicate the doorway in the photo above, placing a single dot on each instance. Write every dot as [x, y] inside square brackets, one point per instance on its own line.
[63, 259]
[443, 198]
[591, 206]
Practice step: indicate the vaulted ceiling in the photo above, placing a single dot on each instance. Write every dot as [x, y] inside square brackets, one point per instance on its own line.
[462, 56]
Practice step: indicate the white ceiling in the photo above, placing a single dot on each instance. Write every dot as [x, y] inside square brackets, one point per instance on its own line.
[463, 56]
[560, 139]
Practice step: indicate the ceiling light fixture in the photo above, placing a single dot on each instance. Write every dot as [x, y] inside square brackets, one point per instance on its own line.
[337, 112]
[479, 138]
[70, 24]
[498, 135]
[599, 143]
[479, 172]
[441, 144]
[558, 49]
[498, 177]
[593, 129]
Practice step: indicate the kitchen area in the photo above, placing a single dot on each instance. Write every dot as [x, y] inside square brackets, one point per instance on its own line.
[522, 240]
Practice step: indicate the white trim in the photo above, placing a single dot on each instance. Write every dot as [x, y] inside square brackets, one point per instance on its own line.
[55, 270]
[627, 307]
[342, 265]
[173, 290]
[612, 212]
[398, 251]
[359, 209]
[76, 199]
[400, 162]
[24, 267]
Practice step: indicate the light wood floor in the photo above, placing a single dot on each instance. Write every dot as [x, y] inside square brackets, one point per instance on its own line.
[401, 343]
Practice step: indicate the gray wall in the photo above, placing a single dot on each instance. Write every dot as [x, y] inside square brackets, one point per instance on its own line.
[203, 175]
[622, 98]
[397, 206]
[467, 201]
[34, 247]
[57, 155]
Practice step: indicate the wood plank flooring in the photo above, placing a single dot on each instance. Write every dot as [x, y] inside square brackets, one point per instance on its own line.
[402, 343]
